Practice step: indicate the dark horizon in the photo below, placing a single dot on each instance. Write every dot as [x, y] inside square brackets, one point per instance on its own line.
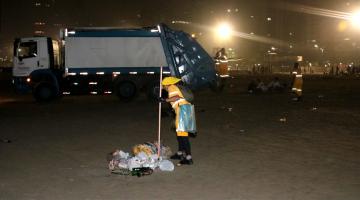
[298, 30]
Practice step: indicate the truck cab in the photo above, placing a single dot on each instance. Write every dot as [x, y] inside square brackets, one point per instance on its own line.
[33, 54]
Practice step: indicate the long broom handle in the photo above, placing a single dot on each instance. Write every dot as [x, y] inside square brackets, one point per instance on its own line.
[159, 128]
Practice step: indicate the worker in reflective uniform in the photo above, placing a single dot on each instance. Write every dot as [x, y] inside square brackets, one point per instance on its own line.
[221, 62]
[176, 99]
[297, 82]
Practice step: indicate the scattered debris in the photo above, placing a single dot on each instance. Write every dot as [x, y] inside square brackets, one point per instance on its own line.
[142, 171]
[166, 165]
[144, 160]
[282, 119]
[229, 109]
[314, 108]
[6, 141]
[320, 96]
[242, 131]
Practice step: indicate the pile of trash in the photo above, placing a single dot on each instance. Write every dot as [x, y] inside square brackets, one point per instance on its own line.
[143, 160]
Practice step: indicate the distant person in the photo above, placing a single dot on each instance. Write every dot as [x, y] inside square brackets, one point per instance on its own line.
[221, 54]
[221, 62]
[297, 82]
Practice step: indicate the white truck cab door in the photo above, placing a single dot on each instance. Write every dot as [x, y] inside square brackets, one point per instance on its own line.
[31, 54]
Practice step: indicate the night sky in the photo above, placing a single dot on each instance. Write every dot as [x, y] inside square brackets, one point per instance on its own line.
[19, 16]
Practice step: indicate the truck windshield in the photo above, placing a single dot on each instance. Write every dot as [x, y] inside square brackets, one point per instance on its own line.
[27, 50]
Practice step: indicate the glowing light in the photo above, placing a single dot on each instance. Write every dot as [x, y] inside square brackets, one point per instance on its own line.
[224, 31]
[243, 35]
[115, 74]
[355, 19]
[28, 80]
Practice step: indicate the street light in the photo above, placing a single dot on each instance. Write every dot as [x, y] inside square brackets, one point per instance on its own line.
[355, 19]
[224, 31]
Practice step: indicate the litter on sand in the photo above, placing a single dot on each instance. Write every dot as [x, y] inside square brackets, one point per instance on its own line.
[5, 141]
[143, 160]
[282, 119]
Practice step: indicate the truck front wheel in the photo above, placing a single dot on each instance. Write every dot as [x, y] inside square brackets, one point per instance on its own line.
[126, 91]
[44, 92]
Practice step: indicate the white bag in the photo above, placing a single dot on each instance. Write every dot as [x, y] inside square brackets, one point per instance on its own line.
[166, 165]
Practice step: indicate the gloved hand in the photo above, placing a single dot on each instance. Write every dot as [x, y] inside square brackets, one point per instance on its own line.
[161, 99]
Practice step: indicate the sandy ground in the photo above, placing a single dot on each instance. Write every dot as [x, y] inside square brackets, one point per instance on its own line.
[243, 150]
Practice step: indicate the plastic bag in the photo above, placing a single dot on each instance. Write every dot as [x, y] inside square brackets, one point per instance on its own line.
[134, 162]
[187, 120]
[166, 165]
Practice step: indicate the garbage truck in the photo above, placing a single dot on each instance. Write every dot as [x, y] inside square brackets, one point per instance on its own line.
[117, 61]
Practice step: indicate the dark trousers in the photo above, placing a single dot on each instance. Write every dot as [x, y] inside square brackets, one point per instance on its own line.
[184, 145]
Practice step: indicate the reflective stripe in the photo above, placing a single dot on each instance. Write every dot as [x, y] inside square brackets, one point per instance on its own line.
[294, 89]
[182, 134]
[177, 102]
[300, 75]
[174, 93]
[299, 90]
[294, 72]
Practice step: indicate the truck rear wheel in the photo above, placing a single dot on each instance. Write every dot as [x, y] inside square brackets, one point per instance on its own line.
[126, 90]
[44, 92]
